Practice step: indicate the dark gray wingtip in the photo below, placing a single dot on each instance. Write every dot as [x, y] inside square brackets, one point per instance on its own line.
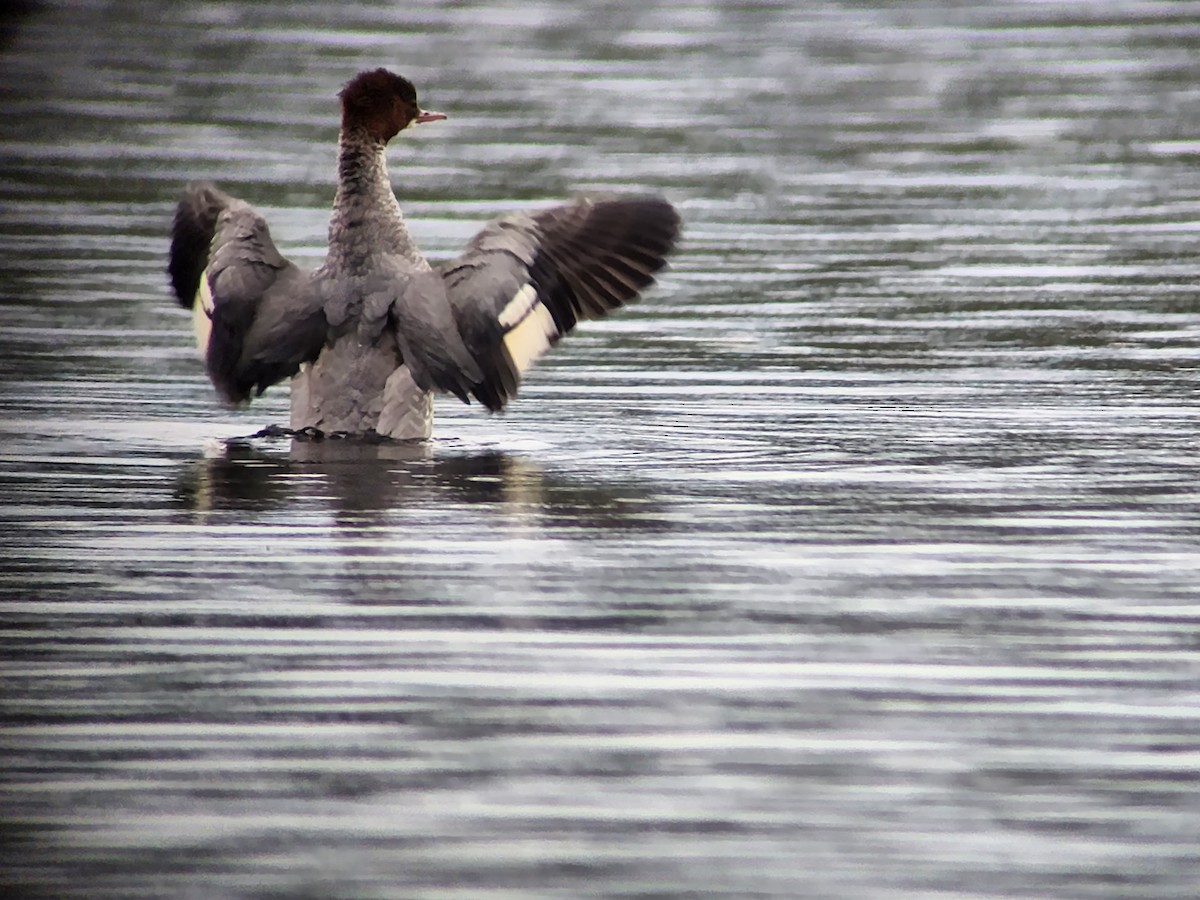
[192, 232]
[605, 261]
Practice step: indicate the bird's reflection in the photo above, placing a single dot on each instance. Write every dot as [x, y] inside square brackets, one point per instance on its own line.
[353, 478]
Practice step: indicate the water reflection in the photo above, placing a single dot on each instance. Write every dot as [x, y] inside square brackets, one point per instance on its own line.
[352, 477]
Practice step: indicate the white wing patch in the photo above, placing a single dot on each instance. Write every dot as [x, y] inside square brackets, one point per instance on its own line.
[519, 306]
[202, 309]
[530, 328]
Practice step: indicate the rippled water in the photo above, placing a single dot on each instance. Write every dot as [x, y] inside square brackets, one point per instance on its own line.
[860, 561]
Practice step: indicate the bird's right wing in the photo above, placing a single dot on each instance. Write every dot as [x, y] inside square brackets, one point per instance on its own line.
[258, 317]
[526, 279]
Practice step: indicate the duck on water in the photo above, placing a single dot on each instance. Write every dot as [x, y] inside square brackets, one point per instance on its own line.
[371, 332]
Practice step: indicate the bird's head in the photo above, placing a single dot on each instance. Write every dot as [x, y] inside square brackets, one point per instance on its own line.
[383, 104]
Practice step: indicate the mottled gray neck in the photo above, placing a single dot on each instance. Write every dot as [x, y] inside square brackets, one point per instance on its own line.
[366, 217]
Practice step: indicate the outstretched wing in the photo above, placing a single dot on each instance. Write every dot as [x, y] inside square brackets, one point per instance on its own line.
[258, 317]
[528, 278]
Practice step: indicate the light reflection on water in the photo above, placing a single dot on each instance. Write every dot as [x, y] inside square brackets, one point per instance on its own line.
[860, 561]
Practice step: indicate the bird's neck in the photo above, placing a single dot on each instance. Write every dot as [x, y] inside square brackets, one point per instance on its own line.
[366, 217]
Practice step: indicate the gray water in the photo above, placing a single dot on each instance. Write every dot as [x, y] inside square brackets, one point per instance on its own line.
[859, 561]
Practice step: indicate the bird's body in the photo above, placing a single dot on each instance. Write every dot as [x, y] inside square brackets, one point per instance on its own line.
[375, 328]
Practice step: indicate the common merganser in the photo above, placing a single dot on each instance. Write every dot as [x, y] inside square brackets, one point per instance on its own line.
[374, 329]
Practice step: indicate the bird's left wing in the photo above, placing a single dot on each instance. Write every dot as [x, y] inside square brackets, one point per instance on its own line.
[258, 317]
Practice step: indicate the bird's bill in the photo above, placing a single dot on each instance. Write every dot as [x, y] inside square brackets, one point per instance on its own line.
[424, 116]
